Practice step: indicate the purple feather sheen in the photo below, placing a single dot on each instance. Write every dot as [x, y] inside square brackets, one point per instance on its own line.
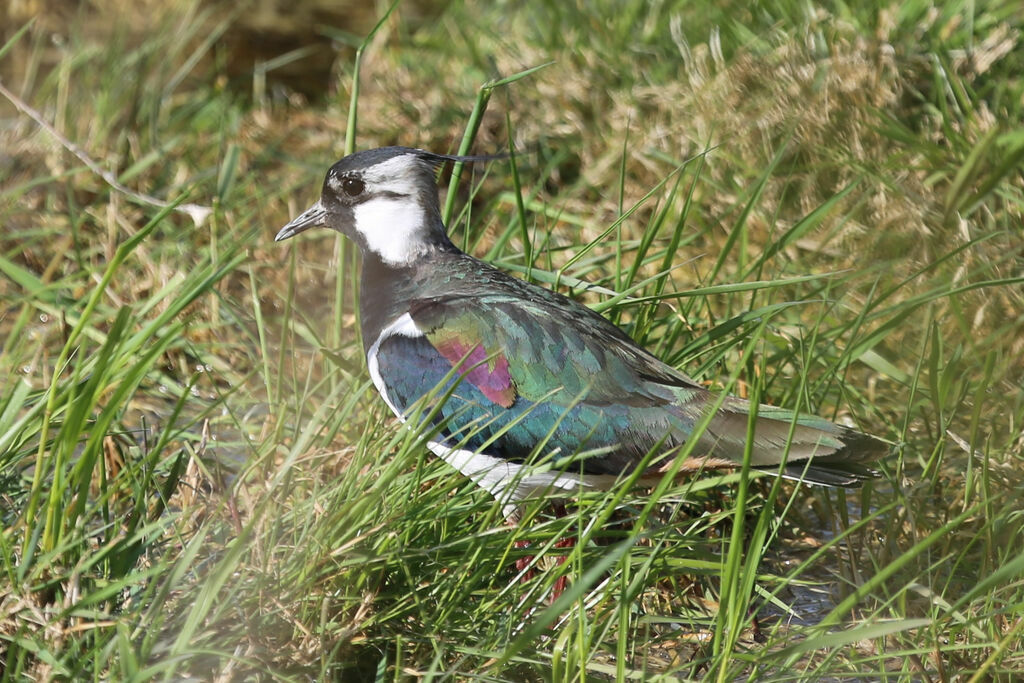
[487, 372]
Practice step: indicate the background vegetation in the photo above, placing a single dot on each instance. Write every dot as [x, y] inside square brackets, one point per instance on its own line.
[819, 206]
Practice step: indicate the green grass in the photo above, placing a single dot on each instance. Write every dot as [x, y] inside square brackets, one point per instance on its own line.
[820, 208]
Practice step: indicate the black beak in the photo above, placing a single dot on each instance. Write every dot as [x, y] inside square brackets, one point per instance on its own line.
[310, 218]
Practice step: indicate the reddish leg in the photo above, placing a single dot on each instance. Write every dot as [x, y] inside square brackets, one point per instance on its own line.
[562, 581]
[568, 542]
[523, 563]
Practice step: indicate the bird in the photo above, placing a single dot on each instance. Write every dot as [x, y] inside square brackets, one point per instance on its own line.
[526, 391]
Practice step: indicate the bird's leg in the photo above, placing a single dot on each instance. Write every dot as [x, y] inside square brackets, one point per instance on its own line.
[513, 516]
[567, 542]
[524, 562]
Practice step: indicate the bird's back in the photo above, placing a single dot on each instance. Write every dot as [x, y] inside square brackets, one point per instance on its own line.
[552, 376]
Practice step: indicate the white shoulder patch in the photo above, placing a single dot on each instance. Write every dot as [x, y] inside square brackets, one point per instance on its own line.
[404, 327]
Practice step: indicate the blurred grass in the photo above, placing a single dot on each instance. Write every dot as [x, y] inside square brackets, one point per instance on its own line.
[821, 207]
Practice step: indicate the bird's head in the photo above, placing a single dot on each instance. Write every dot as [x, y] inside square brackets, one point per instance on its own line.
[383, 199]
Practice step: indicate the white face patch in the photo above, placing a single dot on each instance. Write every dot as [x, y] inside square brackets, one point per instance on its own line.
[394, 228]
[393, 223]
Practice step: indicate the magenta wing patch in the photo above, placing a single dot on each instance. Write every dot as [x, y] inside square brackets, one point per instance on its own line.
[488, 372]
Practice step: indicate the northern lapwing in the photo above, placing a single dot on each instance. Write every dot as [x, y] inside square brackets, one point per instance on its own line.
[540, 393]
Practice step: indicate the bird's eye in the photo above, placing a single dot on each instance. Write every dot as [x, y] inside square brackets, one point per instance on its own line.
[353, 186]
